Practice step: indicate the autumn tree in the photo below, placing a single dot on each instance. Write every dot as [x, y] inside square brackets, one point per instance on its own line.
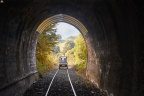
[45, 47]
[68, 46]
[78, 55]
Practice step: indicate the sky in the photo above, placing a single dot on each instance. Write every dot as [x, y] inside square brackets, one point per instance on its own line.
[66, 30]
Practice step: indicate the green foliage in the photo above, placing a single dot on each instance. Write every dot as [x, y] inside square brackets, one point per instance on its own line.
[67, 46]
[80, 52]
[45, 65]
[56, 49]
[45, 47]
[78, 55]
[47, 40]
[70, 57]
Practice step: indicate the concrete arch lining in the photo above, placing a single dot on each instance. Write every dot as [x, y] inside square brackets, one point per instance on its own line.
[62, 18]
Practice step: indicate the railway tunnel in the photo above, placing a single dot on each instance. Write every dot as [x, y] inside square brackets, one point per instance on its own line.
[113, 31]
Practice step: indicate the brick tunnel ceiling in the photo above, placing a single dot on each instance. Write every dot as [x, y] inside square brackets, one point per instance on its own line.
[62, 18]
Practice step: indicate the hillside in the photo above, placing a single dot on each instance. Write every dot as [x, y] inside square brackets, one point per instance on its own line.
[65, 41]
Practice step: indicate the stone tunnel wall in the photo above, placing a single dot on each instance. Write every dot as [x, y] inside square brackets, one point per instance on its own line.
[17, 53]
[115, 36]
[93, 68]
[103, 57]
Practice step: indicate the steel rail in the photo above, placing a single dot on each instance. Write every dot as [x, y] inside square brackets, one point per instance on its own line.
[71, 84]
[51, 83]
[53, 80]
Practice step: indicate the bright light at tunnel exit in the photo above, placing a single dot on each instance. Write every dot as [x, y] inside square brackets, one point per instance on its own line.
[66, 30]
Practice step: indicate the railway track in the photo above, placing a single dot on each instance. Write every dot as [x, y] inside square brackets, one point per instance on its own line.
[51, 83]
[63, 83]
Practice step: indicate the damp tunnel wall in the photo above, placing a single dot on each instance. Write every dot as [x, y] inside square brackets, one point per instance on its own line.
[115, 38]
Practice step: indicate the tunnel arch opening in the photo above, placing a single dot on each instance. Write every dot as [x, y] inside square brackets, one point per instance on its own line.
[91, 55]
[71, 44]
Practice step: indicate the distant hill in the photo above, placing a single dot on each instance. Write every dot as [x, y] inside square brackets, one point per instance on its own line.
[62, 42]
[71, 38]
